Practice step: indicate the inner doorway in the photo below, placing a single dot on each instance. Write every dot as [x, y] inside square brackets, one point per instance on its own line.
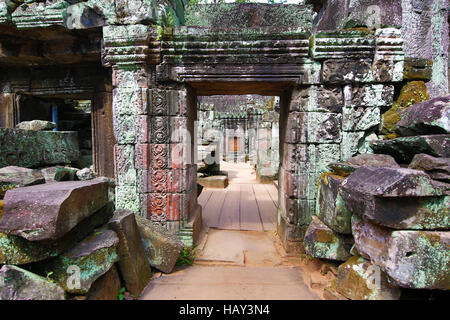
[238, 140]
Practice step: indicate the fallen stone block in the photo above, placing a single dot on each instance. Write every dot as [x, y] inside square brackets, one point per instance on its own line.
[412, 259]
[59, 173]
[403, 149]
[428, 117]
[36, 125]
[14, 177]
[322, 242]
[358, 279]
[436, 168]
[330, 207]
[133, 263]
[398, 198]
[30, 149]
[49, 211]
[17, 250]
[363, 160]
[161, 247]
[107, 287]
[20, 284]
[213, 181]
[76, 270]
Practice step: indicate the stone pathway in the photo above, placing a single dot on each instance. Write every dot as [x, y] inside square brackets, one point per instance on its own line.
[239, 261]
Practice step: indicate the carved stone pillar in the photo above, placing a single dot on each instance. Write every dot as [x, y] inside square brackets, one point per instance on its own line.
[126, 51]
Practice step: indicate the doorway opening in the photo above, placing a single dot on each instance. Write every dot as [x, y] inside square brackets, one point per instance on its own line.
[68, 114]
[238, 160]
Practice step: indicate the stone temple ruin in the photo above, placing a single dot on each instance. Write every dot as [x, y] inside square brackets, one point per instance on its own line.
[101, 103]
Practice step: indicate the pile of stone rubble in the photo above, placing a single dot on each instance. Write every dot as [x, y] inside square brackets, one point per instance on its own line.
[387, 215]
[63, 240]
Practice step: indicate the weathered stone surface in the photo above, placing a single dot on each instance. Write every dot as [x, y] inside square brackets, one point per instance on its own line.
[428, 117]
[27, 148]
[398, 198]
[373, 160]
[437, 168]
[14, 177]
[16, 250]
[412, 259]
[362, 160]
[330, 208]
[49, 211]
[162, 248]
[20, 284]
[321, 242]
[94, 256]
[337, 15]
[59, 173]
[213, 181]
[133, 263]
[411, 93]
[425, 31]
[36, 125]
[403, 149]
[358, 279]
[86, 174]
[417, 69]
[248, 15]
[345, 70]
[107, 287]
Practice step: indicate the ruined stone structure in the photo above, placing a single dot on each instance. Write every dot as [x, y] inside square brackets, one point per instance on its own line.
[335, 74]
[145, 87]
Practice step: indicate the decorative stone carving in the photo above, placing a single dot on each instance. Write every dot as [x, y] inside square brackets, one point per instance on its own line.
[40, 14]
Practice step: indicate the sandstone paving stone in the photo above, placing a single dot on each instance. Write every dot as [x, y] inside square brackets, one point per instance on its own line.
[330, 208]
[322, 242]
[412, 259]
[31, 149]
[358, 279]
[49, 211]
[19, 284]
[90, 259]
[398, 198]
[428, 117]
[133, 264]
[16, 250]
[36, 125]
[107, 287]
[162, 248]
[403, 149]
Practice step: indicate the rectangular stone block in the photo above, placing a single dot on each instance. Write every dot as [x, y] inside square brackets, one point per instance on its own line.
[373, 95]
[350, 143]
[143, 156]
[124, 167]
[317, 99]
[133, 264]
[127, 197]
[313, 127]
[160, 132]
[167, 102]
[144, 125]
[49, 211]
[340, 71]
[298, 157]
[125, 129]
[361, 118]
[129, 101]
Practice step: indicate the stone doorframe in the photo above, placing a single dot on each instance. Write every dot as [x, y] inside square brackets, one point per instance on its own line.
[332, 87]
